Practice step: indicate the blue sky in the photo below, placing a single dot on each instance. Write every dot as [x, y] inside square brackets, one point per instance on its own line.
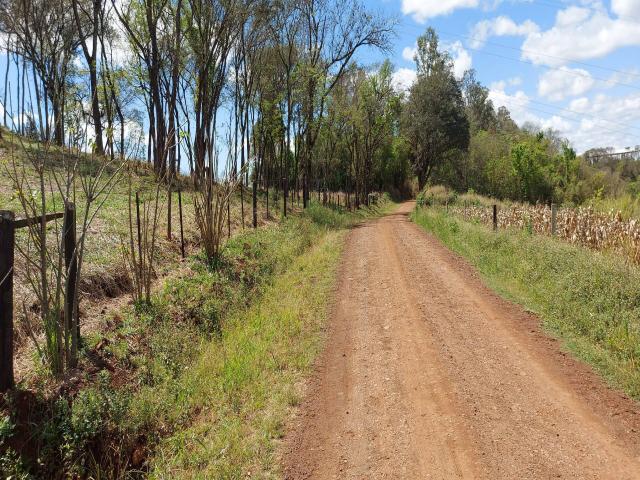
[572, 66]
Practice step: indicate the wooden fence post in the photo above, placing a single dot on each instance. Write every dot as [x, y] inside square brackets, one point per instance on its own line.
[255, 204]
[72, 322]
[181, 228]
[554, 217]
[169, 198]
[495, 217]
[7, 241]
[285, 187]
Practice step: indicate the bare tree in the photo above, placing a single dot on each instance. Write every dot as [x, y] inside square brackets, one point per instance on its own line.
[44, 249]
[46, 35]
[331, 35]
[90, 16]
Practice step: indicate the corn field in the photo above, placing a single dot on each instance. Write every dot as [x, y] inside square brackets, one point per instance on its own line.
[579, 226]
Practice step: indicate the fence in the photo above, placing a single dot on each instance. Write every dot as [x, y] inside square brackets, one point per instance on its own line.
[580, 226]
[8, 226]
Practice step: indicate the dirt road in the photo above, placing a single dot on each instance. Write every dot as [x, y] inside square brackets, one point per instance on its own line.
[428, 374]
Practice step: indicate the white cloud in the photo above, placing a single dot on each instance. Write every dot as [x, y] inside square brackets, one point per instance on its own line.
[408, 53]
[586, 122]
[509, 82]
[4, 40]
[600, 124]
[626, 8]
[403, 78]
[421, 10]
[580, 34]
[630, 75]
[519, 105]
[564, 82]
[500, 26]
[516, 103]
[117, 50]
[579, 104]
[461, 58]
[514, 81]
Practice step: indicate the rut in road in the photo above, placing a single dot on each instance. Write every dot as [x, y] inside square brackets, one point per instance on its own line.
[428, 374]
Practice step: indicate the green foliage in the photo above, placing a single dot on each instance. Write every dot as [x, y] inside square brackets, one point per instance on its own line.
[244, 384]
[480, 111]
[339, 218]
[516, 165]
[436, 195]
[360, 149]
[591, 300]
[434, 121]
[94, 432]
[529, 161]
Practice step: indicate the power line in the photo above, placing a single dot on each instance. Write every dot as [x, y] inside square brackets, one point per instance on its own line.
[626, 125]
[580, 114]
[570, 72]
[626, 133]
[576, 62]
[564, 70]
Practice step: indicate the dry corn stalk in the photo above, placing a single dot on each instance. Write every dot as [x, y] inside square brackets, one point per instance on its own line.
[580, 226]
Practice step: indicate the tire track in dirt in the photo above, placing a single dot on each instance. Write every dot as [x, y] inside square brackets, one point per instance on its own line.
[428, 374]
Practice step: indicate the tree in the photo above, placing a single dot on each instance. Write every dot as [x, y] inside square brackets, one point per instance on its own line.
[479, 108]
[91, 15]
[331, 34]
[434, 120]
[46, 35]
[504, 121]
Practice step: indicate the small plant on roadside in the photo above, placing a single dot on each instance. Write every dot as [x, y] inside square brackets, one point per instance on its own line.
[40, 189]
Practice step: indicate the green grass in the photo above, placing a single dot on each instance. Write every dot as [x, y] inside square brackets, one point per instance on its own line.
[589, 300]
[200, 383]
[233, 400]
[244, 384]
[627, 204]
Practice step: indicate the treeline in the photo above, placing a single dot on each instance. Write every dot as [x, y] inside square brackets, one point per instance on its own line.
[459, 139]
[242, 89]
[238, 93]
[269, 91]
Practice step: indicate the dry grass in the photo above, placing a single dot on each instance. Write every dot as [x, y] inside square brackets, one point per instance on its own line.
[106, 281]
[582, 226]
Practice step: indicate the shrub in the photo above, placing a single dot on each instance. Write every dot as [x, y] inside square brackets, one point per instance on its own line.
[436, 195]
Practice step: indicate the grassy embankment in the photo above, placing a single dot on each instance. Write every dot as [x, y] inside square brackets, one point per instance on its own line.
[243, 385]
[198, 385]
[588, 299]
[105, 284]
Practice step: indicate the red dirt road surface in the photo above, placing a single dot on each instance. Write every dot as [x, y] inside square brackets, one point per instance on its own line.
[427, 374]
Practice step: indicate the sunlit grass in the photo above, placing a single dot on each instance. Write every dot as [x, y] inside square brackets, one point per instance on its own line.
[588, 299]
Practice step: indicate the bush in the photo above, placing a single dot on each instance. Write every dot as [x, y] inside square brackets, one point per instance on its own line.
[473, 199]
[436, 195]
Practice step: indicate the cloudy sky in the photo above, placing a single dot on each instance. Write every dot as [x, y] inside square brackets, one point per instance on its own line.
[573, 66]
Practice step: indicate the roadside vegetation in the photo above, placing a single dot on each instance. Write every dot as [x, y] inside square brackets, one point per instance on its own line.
[584, 225]
[126, 336]
[202, 376]
[586, 296]
[168, 342]
[588, 299]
